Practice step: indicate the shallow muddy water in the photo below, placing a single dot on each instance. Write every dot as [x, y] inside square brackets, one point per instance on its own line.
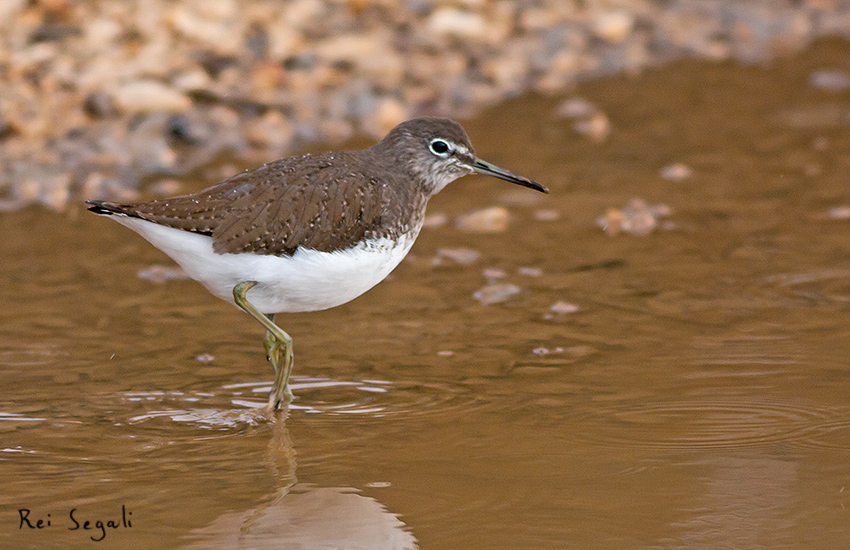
[697, 398]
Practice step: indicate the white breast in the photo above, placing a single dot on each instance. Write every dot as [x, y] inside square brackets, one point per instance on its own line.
[308, 280]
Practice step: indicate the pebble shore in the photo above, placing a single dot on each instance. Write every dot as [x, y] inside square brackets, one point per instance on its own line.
[101, 96]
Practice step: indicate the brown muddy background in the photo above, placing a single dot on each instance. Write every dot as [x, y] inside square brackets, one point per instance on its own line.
[698, 398]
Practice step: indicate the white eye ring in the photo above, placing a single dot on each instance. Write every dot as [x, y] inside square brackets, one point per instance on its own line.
[440, 147]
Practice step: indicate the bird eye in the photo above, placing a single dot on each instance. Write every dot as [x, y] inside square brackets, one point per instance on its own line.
[440, 148]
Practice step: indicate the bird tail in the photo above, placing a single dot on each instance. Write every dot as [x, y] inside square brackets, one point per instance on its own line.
[104, 208]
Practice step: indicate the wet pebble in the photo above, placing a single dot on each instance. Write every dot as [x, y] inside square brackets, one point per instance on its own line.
[159, 274]
[637, 218]
[492, 273]
[597, 128]
[437, 219]
[563, 308]
[486, 220]
[530, 271]
[462, 256]
[11, 205]
[575, 351]
[496, 293]
[547, 351]
[519, 196]
[378, 484]
[676, 172]
[589, 120]
[546, 215]
[820, 143]
[839, 213]
[830, 80]
[576, 107]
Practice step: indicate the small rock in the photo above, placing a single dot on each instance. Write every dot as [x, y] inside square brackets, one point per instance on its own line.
[46, 184]
[576, 107]
[637, 218]
[537, 18]
[437, 219]
[487, 220]
[144, 96]
[11, 205]
[508, 72]
[6, 128]
[267, 77]
[839, 213]
[496, 293]
[597, 127]
[334, 130]
[530, 271]
[562, 308]
[562, 71]
[389, 112]
[379, 484]
[150, 145]
[573, 351]
[116, 189]
[208, 22]
[546, 215]
[99, 105]
[546, 351]
[613, 26]
[100, 31]
[352, 47]
[54, 32]
[445, 353]
[457, 23]
[190, 130]
[272, 130]
[517, 196]
[676, 172]
[194, 79]
[205, 358]
[257, 40]
[830, 80]
[165, 188]
[159, 274]
[491, 273]
[812, 170]
[284, 39]
[462, 256]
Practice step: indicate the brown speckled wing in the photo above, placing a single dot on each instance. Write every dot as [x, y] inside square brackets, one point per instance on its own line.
[319, 202]
[290, 206]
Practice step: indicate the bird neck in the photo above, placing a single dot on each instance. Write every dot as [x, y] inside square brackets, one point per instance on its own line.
[407, 168]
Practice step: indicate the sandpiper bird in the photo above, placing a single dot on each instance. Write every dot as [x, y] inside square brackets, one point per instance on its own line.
[312, 232]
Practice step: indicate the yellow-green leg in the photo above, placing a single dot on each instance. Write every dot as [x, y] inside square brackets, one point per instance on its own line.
[278, 345]
[273, 351]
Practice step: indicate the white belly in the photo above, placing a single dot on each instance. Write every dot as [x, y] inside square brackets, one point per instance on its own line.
[306, 281]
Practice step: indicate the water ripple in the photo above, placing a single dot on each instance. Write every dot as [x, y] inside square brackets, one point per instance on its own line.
[733, 423]
[241, 404]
